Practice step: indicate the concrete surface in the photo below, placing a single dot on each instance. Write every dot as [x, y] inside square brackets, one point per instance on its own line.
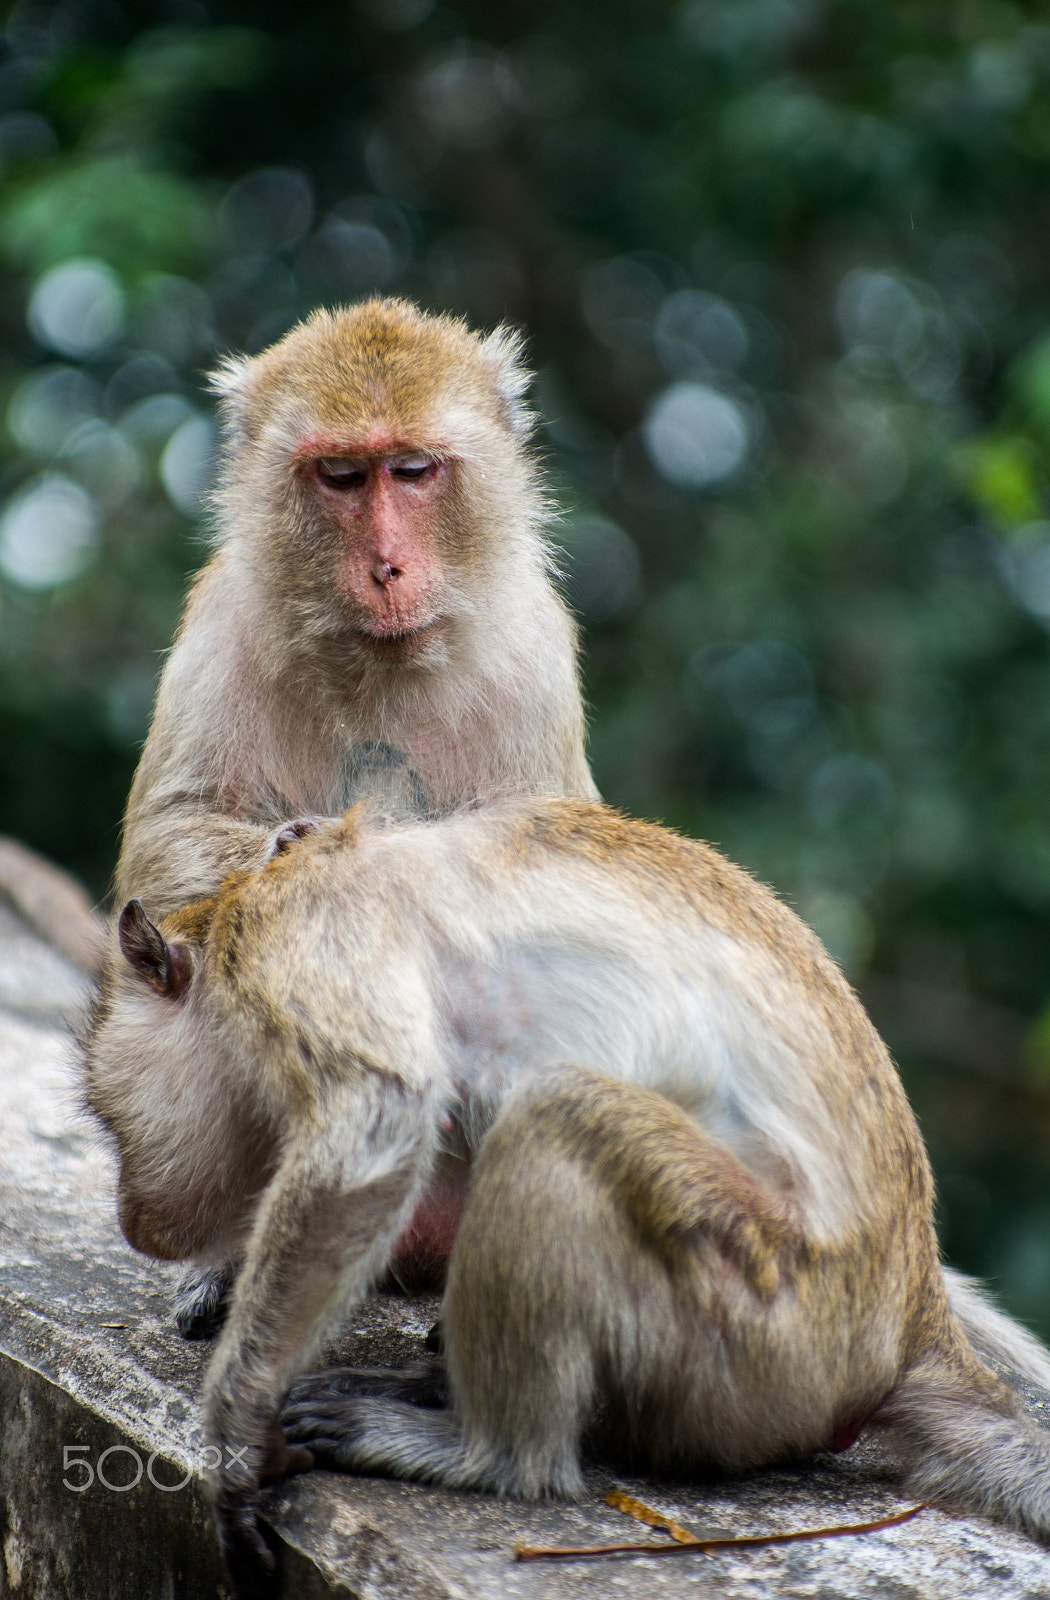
[89, 1363]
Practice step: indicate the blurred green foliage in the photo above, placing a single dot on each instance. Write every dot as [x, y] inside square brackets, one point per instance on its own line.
[782, 263]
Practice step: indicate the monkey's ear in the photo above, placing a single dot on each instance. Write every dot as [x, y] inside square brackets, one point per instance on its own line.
[232, 382]
[230, 377]
[167, 968]
[503, 350]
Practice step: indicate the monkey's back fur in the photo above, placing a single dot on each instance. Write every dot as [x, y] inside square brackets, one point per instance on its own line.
[701, 1210]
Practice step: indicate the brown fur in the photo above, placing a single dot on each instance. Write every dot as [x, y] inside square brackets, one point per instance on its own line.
[383, 362]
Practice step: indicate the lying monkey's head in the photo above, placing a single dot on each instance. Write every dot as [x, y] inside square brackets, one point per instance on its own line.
[156, 1077]
[189, 1063]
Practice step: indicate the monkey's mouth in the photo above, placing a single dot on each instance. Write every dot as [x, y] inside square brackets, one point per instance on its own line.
[403, 638]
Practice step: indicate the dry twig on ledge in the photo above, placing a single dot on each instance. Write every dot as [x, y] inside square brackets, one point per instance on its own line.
[685, 1541]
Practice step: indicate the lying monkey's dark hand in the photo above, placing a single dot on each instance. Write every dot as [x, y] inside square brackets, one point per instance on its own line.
[250, 1560]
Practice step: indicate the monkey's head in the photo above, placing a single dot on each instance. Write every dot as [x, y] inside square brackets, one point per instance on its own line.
[154, 1077]
[376, 458]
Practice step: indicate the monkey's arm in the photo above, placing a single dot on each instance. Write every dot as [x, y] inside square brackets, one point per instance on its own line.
[182, 851]
[208, 793]
[325, 1230]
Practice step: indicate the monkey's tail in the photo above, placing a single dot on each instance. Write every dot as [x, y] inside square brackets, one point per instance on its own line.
[995, 1336]
[967, 1443]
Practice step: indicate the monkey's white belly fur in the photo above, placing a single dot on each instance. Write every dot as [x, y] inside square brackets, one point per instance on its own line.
[683, 1026]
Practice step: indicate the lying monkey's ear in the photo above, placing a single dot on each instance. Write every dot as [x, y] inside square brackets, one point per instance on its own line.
[167, 968]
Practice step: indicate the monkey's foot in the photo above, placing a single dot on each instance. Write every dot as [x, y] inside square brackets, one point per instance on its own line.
[373, 1434]
[334, 1413]
[334, 1431]
[202, 1300]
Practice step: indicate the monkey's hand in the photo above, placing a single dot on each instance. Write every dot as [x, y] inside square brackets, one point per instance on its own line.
[249, 1557]
[250, 1561]
[290, 832]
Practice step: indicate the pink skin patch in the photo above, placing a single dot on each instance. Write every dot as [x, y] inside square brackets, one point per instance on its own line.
[420, 1255]
[846, 1434]
[431, 1229]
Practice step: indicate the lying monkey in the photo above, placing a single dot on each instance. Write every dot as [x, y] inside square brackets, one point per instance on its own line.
[714, 1220]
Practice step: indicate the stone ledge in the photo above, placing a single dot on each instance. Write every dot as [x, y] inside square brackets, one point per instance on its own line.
[88, 1358]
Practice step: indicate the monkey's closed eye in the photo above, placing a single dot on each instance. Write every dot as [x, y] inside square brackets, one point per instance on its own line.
[341, 473]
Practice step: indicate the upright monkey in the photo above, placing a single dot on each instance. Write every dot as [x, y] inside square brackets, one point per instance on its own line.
[701, 1198]
[380, 610]
[380, 617]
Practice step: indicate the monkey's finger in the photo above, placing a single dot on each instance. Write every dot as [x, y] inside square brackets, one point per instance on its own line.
[292, 832]
[299, 1421]
[251, 1563]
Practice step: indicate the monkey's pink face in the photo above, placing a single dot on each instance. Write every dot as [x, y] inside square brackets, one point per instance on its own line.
[383, 502]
